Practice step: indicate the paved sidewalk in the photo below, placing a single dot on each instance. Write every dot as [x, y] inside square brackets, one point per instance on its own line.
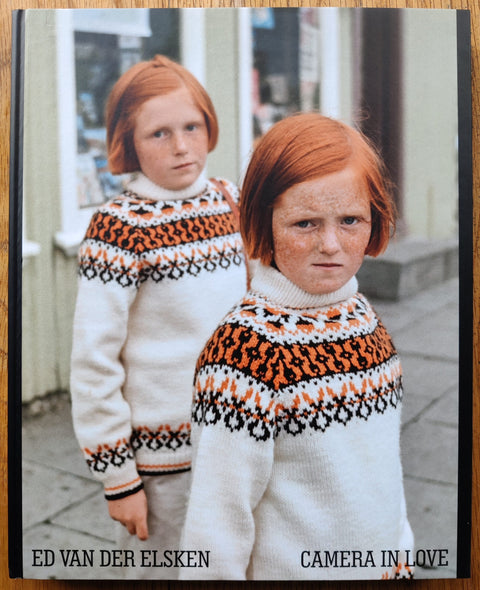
[64, 508]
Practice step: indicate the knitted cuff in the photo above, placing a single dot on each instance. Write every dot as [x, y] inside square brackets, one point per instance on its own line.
[122, 491]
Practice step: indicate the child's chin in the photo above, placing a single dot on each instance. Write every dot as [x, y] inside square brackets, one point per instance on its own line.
[325, 287]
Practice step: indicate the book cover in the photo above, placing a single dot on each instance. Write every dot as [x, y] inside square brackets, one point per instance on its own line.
[400, 76]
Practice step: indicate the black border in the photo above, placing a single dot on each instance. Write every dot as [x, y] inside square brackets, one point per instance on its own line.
[465, 381]
[15, 533]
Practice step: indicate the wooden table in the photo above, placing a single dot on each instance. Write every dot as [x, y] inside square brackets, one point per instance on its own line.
[5, 40]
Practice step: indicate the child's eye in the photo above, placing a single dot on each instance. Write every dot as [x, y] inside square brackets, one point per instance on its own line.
[350, 220]
[304, 223]
[192, 127]
[159, 133]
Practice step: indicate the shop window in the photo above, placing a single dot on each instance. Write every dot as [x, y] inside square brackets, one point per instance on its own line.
[286, 64]
[100, 58]
[94, 48]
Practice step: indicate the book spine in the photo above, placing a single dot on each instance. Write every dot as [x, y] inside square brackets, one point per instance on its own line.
[465, 188]
[15, 535]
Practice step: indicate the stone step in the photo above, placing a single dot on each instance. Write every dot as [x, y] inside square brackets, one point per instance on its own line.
[408, 266]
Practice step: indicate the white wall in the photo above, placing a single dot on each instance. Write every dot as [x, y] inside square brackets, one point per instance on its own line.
[430, 123]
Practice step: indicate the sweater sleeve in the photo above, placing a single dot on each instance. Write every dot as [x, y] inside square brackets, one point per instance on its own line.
[232, 463]
[101, 415]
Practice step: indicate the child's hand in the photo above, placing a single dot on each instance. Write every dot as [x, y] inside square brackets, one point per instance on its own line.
[132, 513]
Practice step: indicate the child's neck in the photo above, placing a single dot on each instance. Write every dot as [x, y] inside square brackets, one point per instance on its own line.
[279, 290]
[144, 187]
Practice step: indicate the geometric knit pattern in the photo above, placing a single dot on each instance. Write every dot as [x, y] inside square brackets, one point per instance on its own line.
[132, 240]
[148, 261]
[401, 572]
[318, 369]
[296, 437]
[163, 438]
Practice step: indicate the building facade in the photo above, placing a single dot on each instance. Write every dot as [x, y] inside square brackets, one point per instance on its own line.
[391, 72]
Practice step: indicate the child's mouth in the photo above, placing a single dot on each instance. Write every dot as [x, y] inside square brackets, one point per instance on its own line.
[328, 265]
[182, 166]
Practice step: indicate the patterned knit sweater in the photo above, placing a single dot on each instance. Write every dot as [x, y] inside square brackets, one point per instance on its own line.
[157, 271]
[295, 430]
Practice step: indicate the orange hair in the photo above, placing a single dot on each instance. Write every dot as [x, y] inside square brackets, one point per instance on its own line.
[143, 81]
[300, 148]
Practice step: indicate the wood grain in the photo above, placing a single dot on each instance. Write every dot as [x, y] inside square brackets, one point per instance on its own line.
[5, 39]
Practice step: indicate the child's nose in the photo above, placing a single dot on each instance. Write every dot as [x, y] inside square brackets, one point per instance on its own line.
[328, 242]
[179, 143]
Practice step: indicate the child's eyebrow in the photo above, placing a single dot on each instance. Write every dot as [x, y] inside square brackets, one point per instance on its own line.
[196, 120]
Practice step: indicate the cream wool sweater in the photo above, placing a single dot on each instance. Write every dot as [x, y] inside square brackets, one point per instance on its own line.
[295, 431]
[158, 270]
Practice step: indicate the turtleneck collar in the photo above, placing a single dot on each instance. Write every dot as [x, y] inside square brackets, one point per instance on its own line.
[272, 284]
[144, 187]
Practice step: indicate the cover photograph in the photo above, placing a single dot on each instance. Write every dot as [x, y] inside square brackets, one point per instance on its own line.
[240, 294]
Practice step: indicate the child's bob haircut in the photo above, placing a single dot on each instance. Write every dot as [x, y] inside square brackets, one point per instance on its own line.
[143, 81]
[303, 147]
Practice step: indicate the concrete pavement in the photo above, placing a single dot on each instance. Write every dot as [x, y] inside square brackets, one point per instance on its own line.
[64, 508]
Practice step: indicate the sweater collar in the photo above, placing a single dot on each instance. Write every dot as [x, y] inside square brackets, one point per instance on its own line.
[272, 284]
[145, 188]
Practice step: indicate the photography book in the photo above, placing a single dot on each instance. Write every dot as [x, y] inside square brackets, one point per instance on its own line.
[400, 76]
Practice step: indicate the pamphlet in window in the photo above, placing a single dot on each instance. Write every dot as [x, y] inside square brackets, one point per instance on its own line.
[240, 294]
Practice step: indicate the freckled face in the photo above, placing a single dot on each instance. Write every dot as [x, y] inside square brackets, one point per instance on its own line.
[321, 229]
[171, 139]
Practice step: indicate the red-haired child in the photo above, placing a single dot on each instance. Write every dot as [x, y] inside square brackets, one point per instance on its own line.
[159, 267]
[296, 417]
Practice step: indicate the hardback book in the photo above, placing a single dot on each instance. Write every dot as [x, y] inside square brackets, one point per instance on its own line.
[359, 466]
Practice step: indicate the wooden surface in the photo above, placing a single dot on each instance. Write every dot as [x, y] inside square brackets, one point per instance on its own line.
[5, 38]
